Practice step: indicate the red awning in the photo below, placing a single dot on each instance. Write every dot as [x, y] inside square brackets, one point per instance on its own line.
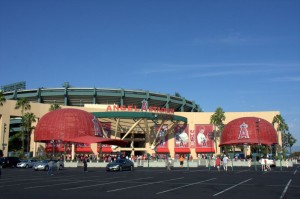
[105, 150]
[93, 139]
[182, 150]
[205, 150]
[83, 150]
[162, 150]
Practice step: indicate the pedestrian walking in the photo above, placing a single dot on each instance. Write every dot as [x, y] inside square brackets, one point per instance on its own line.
[50, 167]
[225, 162]
[181, 160]
[218, 163]
[57, 165]
[85, 165]
[169, 164]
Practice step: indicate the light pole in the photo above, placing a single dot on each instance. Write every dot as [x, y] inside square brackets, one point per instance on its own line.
[258, 136]
[211, 137]
[52, 142]
[4, 130]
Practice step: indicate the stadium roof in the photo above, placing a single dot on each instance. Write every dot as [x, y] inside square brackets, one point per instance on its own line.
[80, 96]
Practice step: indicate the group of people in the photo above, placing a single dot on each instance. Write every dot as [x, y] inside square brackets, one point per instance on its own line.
[225, 162]
[51, 165]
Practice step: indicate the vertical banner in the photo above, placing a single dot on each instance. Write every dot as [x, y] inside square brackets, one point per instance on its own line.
[162, 137]
[181, 133]
[192, 139]
[202, 138]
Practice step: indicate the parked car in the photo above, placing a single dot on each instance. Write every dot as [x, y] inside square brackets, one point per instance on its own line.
[43, 165]
[120, 165]
[9, 161]
[26, 163]
[270, 162]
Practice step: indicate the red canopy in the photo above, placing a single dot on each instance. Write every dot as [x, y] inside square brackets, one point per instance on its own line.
[93, 139]
[162, 150]
[248, 130]
[205, 150]
[182, 150]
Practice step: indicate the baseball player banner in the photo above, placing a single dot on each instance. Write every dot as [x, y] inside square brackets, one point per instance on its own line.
[162, 138]
[202, 136]
[181, 133]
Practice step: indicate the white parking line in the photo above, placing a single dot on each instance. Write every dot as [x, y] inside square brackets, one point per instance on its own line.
[242, 171]
[143, 185]
[94, 185]
[285, 189]
[232, 187]
[295, 171]
[50, 185]
[185, 186]
[73, 182]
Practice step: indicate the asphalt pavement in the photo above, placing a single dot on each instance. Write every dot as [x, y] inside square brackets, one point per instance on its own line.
[154, 183]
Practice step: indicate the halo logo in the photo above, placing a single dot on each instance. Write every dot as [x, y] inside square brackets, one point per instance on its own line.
[243, 131]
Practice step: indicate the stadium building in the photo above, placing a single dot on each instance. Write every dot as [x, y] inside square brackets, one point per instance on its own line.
[148, 123]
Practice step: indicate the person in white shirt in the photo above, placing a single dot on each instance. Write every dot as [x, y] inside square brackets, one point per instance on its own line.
[225, 162]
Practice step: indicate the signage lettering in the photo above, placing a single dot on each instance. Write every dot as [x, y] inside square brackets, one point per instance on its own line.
[131, 108]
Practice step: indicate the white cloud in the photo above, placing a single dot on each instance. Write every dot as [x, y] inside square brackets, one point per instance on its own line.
[286, 79]
[223, 69]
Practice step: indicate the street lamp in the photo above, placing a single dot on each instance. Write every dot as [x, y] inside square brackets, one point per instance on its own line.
[258, 136]
[52, 142]
[211, 137]
[4, 130]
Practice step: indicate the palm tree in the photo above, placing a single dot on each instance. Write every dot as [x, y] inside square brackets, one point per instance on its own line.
[27, 121]
[282, 127]
[2, 98]
[217, 120]
[54, 107]
[24, 105]
[289, 141]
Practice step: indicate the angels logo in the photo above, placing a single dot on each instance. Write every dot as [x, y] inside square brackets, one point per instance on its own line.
[144, 105]
[97, 127]
[243, 131]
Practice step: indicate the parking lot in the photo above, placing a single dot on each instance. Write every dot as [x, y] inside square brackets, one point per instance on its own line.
[241, 182]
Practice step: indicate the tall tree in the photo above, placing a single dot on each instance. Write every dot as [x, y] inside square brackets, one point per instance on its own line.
[289, 141]
[282, 127]
[2, 98]
[54, 107]
[217, 120]
[24, 105]
[27, 121]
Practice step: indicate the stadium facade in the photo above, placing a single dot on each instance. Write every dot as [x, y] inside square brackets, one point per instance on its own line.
[151, 123]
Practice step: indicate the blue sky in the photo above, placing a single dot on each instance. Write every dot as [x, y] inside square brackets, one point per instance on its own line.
[239, 55]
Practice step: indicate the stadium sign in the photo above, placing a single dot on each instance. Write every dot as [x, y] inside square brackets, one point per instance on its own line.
[131, 108]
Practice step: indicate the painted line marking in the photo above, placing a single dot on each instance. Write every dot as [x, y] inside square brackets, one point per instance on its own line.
[94, 185]
[295, 171]
[144, 184]
[50, 185]
[285, 189]
[73, 182]
[242, 171]
[232, 187]
[202, 170]
[185, 186]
